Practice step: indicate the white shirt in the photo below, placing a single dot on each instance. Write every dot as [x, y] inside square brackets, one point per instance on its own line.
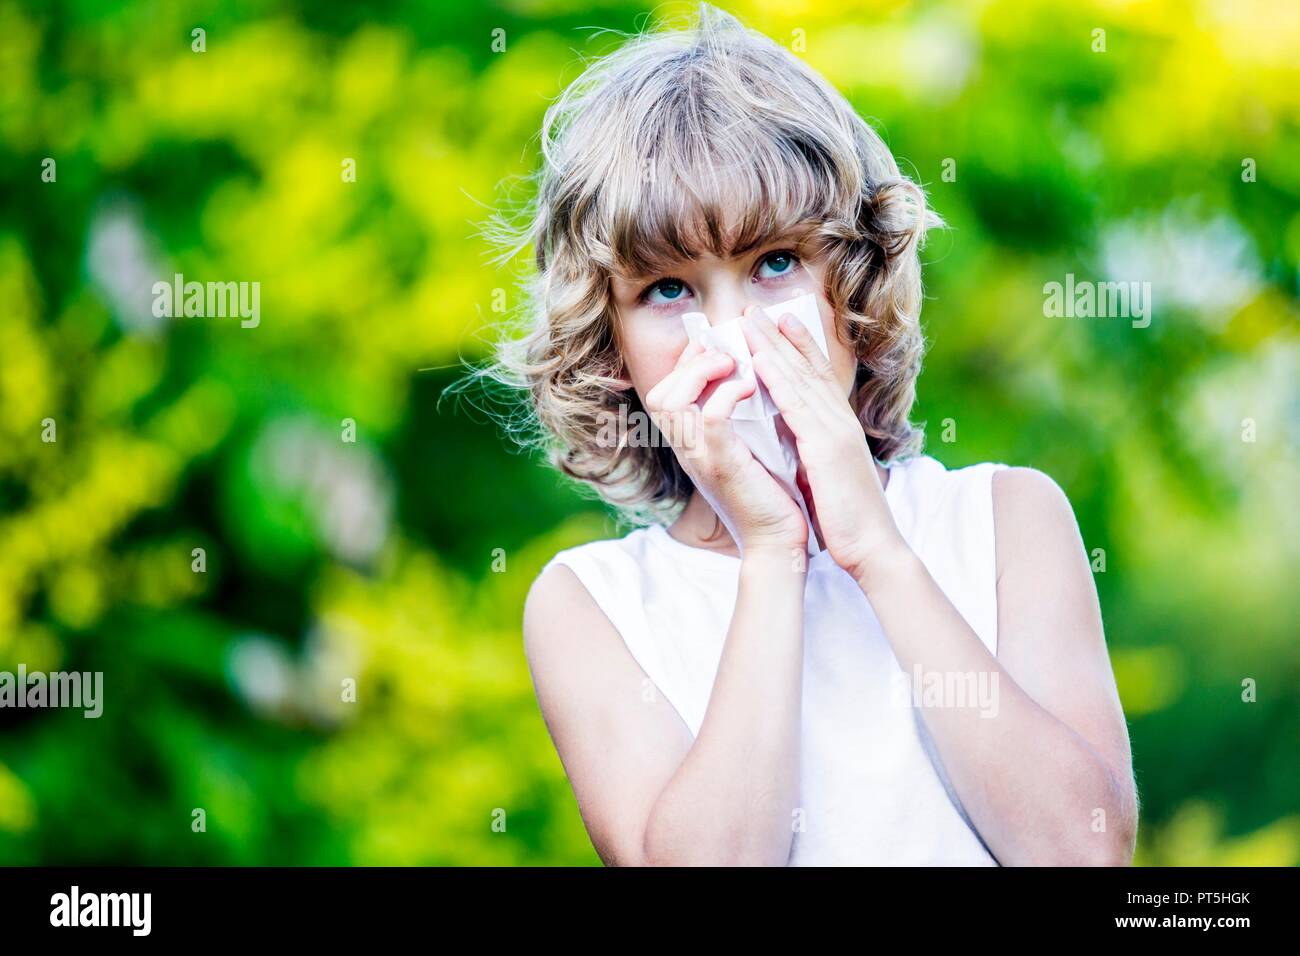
[872, 788]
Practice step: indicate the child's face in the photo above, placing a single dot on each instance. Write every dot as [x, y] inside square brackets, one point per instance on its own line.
[649, 308]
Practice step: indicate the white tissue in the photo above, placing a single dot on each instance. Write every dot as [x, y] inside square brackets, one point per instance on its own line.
[756, 420]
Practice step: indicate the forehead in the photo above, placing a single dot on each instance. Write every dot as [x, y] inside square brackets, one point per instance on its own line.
[665, 228]
[677, 202]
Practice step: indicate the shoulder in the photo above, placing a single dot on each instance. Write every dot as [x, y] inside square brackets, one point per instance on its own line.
[1027, 488]
[558, 598]
[567, 637]
[554, 593]
[1027, 500]
[1024, 509]
[1033, 519]
[566, 593]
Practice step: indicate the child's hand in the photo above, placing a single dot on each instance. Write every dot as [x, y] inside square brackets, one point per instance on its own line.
[849, 505]
[764, 515]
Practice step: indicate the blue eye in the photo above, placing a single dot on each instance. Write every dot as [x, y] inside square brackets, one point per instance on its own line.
[672, 289]
[780, 262]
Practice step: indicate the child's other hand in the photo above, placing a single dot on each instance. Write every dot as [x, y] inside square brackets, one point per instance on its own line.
[852, 515]
[764, 515]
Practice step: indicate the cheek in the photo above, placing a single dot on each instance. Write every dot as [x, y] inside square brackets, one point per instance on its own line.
[843, 358]
[845, 363]
[650, 351]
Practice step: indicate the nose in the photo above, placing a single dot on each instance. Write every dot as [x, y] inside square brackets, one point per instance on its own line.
[727, 304]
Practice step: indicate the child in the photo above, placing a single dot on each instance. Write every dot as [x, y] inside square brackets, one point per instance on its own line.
[932, 685]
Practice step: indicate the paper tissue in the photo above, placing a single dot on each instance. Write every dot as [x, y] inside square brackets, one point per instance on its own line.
[756, 420]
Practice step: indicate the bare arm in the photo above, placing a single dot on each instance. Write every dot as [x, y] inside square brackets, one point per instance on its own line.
[732, 800]
[1048, 780]
[648, 794]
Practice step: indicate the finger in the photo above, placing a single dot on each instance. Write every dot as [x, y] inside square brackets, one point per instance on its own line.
[691, 378]
[804, 418]
[693, 353]
[804, 386]
[807, 346]
[756, 336]
[669, 423]
[771, 337]
[725, 398]
[714, 417]
[692, 349]
[672, 426]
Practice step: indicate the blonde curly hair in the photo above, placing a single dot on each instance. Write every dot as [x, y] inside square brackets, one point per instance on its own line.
[643, 157]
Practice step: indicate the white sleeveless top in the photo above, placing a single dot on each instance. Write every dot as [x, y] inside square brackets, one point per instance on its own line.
[872, 788]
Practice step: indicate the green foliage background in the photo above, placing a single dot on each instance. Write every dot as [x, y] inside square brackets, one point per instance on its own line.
[329, 560]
